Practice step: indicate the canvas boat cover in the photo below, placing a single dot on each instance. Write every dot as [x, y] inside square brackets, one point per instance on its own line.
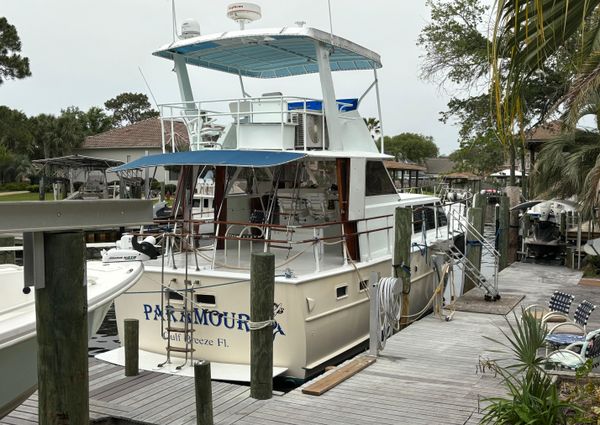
[233, 158]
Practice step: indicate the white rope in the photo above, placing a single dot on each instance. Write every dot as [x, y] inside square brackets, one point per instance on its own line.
[389, 308]
[254, 326]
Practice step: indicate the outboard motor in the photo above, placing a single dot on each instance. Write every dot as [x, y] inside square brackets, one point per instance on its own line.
[129, 249]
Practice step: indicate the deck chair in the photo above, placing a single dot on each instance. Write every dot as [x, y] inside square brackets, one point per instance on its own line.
[571, 331]
[577, 354]
[557, 310]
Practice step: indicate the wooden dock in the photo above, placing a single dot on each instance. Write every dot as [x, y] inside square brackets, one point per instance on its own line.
[427, 374]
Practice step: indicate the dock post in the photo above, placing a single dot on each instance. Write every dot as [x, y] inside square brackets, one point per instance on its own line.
[374, 321]
[481, 203]
[514, 197]
[437, 260]
[496, 218]
[526, 219]
[473, 245]
[401, 260]
[132, 345]
[204, 405]
[262, 295]
[62, 332]
[7, 257]
[502, 233]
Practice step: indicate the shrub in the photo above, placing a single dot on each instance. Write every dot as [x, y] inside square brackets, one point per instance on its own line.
[533, 396]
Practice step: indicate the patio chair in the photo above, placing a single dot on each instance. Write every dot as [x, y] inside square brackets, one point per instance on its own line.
[569, 358]
[571, 331]
[557, 310]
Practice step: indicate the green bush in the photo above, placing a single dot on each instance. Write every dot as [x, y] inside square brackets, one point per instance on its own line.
[34, 188]
[533, 397]
[13, 187]
[170, 188]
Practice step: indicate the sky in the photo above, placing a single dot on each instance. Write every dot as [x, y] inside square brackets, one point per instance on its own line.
[84, 52]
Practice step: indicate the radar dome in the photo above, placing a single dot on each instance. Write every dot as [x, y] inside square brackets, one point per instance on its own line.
[244, 13]
[190, 28]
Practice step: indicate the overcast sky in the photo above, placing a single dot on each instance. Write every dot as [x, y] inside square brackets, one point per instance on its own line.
[84, 52]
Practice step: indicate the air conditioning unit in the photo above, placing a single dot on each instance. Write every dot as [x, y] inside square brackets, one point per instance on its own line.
[316, 136]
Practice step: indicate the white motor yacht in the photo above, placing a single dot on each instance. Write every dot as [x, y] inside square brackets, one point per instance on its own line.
[299, 177]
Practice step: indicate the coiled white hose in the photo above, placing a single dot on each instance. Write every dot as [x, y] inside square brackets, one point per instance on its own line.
[390, 290]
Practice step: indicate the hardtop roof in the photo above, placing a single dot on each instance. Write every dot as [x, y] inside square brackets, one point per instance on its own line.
[270, 53]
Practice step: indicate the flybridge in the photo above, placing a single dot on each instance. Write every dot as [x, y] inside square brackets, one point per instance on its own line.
[271, 53]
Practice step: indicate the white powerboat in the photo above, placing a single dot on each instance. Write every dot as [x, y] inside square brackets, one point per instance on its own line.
[299, 177]
[18, 345]
[544, 238]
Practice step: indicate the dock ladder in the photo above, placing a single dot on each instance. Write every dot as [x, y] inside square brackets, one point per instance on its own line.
[459, 222]
[179, 302]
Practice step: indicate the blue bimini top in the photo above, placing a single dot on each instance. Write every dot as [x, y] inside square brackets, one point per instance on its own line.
[233, 158]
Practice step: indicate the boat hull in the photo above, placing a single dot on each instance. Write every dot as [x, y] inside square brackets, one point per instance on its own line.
[318, 324]
[18, 344]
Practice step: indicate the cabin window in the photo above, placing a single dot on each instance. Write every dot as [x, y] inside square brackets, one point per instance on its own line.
[341, 292]
[363, 285]
[206, 299]
[176, 296]
[377, 180]
[423, 218]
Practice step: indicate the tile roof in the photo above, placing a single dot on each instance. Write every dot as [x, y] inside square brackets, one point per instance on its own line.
[142, 134]
[544, 132]
[393, 165]
[439, 165]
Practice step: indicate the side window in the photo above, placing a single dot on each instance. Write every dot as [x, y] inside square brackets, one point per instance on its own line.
[377, 180]
[441, 217]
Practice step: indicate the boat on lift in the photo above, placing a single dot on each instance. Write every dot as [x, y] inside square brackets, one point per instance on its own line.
[18, 344]
[544, 238]
[299, 177]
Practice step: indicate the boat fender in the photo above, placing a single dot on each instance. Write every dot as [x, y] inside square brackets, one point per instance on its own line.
[146, 247]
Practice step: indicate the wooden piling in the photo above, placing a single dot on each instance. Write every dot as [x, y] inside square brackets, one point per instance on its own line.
[132, 346]
[526, 220]
[262, 294]
[7, 257]
[374, 321]
[401, 260]
[514, 196]
[502, 233]
[473, 246]
[202, 381]
[62, 332]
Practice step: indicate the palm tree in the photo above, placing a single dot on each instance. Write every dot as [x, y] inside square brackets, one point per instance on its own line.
[528, 34]
[374, 127]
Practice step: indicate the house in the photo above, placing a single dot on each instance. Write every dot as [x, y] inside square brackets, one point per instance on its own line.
[136, 140]
[535, 138]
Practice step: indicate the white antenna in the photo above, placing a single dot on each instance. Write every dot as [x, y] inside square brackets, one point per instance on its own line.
[174, 16]
[244, 13]
[148, 86]
[330, 21]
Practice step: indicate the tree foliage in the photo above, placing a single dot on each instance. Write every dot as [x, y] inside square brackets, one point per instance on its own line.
[12, 64]
[480, 155]
[455, 47]
[129, 108]
[411, 147]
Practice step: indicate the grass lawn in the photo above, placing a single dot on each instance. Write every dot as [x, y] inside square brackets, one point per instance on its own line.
[30, 196]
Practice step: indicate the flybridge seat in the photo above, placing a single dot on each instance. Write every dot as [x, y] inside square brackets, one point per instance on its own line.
[344, 105]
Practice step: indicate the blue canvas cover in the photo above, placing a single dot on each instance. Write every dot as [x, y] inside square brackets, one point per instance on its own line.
[234, 158]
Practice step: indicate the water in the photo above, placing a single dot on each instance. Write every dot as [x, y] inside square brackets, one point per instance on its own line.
[106, 338]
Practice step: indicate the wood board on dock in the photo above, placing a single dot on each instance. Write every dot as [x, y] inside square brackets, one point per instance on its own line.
[338, 375]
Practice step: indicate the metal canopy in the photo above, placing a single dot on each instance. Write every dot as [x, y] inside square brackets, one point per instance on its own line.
[234, 158]
[270, 53]
[78, 161]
